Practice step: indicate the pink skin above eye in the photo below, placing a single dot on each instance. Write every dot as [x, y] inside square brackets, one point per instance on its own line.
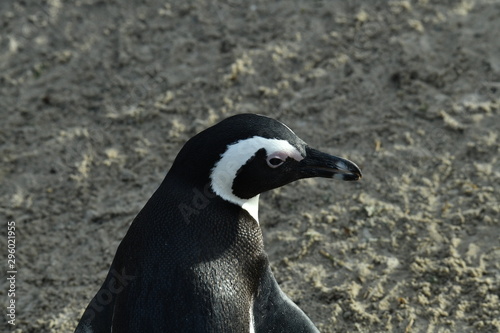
[281, 155]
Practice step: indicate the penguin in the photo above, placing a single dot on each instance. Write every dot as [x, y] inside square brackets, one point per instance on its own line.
[193, 259]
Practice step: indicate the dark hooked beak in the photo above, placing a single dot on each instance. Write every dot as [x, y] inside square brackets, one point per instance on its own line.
[318, 164]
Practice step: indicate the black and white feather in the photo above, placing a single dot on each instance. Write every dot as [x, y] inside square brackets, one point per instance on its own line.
[193, 259]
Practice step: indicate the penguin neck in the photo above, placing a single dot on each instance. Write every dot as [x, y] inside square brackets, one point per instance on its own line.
[251, 206]
[199, 195]
[222, 188]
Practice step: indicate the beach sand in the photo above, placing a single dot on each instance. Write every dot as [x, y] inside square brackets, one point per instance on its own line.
[97, 98]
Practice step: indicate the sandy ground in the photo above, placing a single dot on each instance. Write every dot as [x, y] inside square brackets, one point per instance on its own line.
[97, 97]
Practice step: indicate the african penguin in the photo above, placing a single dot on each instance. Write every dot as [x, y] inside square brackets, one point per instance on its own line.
[193, 259]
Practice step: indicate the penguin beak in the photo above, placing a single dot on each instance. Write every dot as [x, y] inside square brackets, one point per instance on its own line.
[318, 164]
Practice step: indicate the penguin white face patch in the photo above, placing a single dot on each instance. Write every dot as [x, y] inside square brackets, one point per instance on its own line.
[237, 155]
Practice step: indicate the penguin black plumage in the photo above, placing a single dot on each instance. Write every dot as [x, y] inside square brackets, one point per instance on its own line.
[193, 258]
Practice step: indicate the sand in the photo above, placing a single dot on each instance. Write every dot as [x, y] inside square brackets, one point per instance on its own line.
[97, 98]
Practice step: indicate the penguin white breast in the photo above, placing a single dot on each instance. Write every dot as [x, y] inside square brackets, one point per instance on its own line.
[237, 155]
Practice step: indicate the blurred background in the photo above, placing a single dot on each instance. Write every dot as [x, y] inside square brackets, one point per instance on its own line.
[97, 98]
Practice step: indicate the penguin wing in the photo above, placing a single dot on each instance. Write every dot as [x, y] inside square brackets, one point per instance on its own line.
[274, 312]
[99, 313]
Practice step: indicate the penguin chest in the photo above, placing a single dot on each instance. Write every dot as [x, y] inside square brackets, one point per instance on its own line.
[224, 290]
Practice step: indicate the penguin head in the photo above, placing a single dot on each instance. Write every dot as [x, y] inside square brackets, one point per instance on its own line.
[247, 154]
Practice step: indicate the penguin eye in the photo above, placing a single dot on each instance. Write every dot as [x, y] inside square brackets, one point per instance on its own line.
[274, 161]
